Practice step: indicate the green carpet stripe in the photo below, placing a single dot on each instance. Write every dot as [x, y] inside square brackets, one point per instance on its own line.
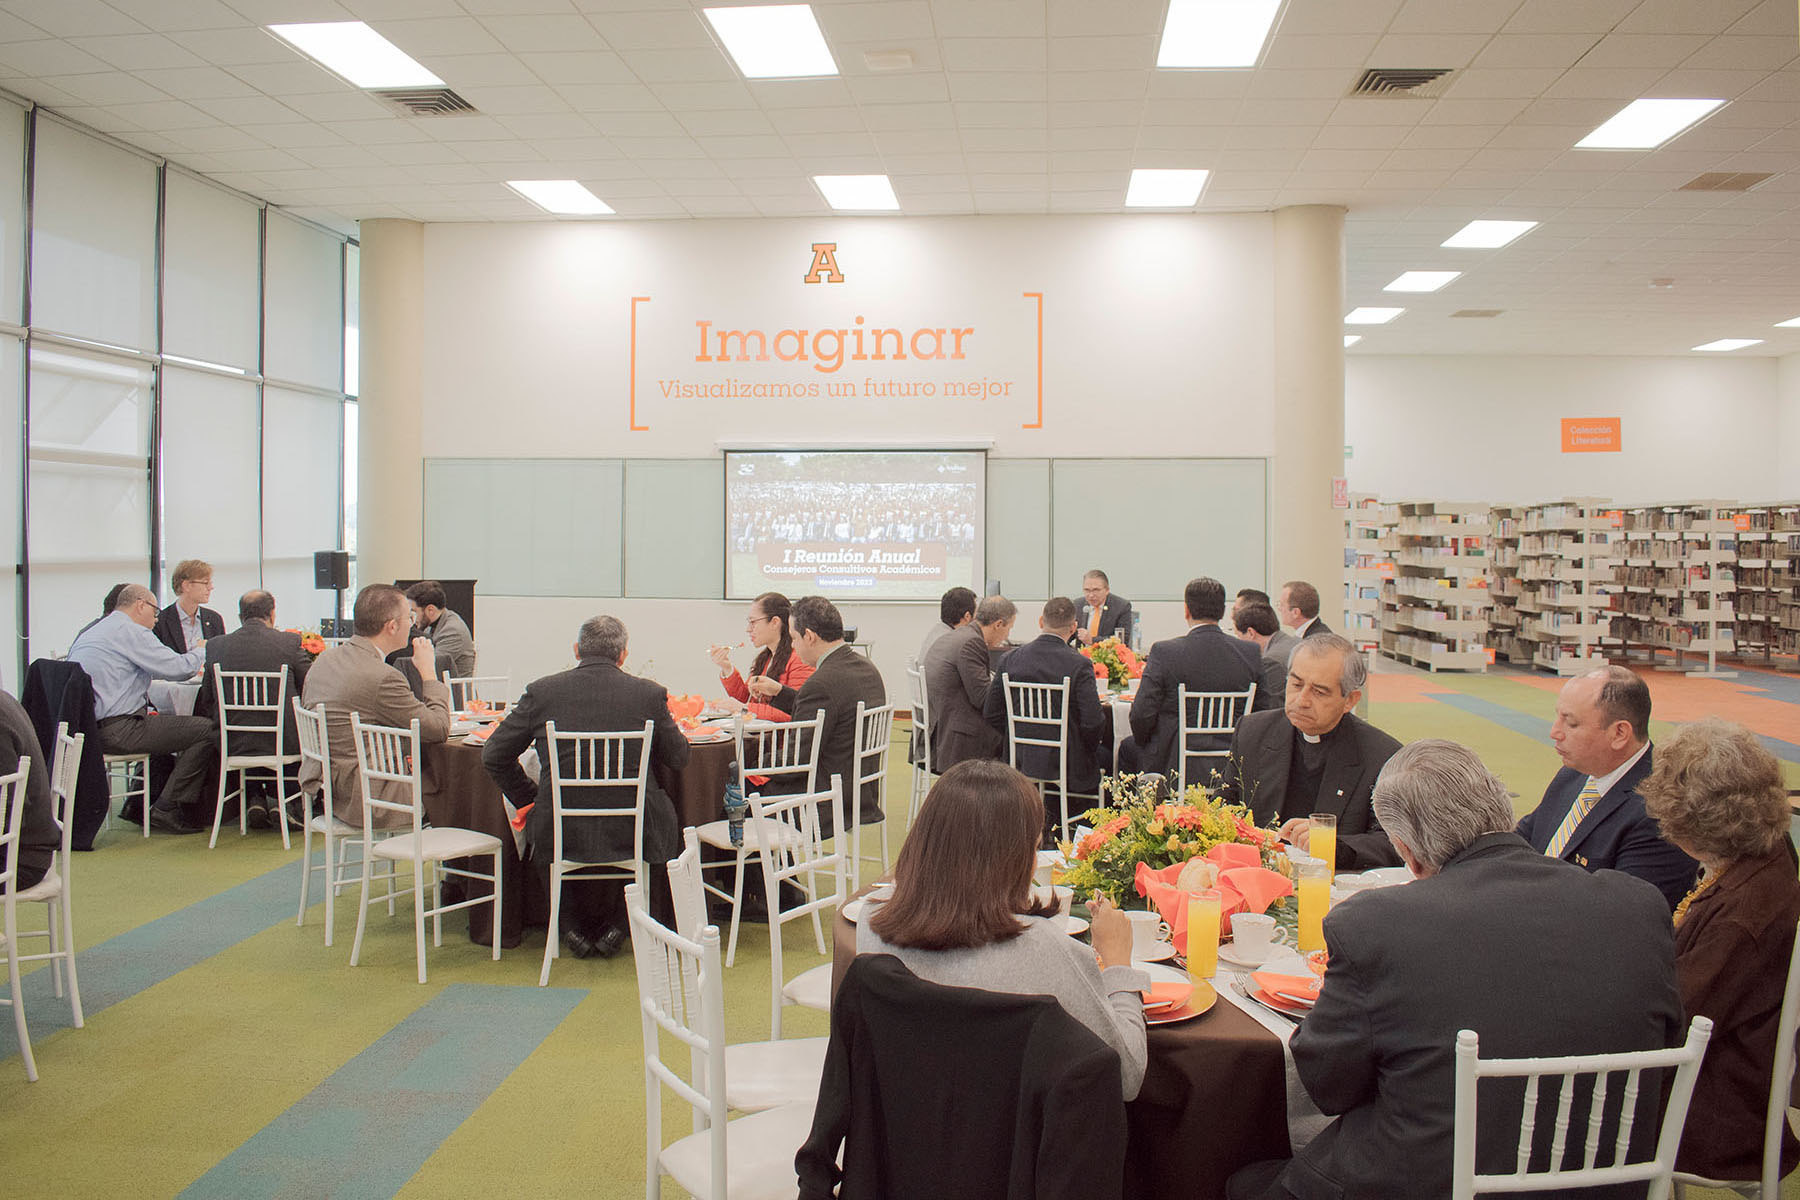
[368, 1128]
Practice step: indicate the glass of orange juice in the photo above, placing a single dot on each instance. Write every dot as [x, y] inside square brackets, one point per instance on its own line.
[1321, 840]
[1203, 934]
[1315, 902]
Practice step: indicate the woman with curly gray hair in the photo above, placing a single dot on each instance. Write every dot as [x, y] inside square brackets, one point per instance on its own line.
[1719, 795]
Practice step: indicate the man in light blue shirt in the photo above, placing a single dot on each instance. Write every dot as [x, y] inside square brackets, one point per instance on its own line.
[121, 656]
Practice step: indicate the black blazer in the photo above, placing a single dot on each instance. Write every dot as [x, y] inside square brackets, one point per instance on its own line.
[958, 673]
[57, 690]
[1048, 659]
[1318, 628]
[960, 1093]
[1115, 618]
[841, 679]
[1256, 775]
[1538, 959]
[40, 837]
[1207, 660]
[255, 646]
[1616, 833]
[595, 697]
[168, 627]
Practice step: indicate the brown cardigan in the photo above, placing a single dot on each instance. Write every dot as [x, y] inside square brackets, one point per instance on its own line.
[1731, 958]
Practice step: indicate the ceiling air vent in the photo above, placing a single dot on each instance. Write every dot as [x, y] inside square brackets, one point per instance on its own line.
[1725, 181]
[1478, 312]
[424, 102]
[1427, 83]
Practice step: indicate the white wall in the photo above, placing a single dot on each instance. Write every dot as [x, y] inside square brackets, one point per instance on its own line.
[1489, 428]
[1787, 486]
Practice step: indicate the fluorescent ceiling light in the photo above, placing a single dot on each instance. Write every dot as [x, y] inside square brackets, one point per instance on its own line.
[1488, 235]
[1724, 344]
[775, 41]
[1157, 188]
[1645, 124]
[562, 196]
[1371, 316]
[1350, 339]
[858, 193]
[358, 53]
[1791, 323]
[1421, 281]
[1215, 33]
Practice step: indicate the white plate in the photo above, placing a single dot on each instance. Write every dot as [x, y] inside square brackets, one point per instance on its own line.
[1379, 878]
[704, 737]
[1074, 926]
[852, 911]
[1231, 954]
[1283, 956]
[1158, 953]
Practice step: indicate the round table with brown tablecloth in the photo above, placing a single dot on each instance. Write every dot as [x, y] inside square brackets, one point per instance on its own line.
[1214, 1098]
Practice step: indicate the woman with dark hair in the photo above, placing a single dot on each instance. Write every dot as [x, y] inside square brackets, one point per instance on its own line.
[1719, 795]
[776, 666]
[962, 912]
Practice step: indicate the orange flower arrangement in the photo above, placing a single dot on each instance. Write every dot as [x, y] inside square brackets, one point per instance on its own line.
[1116, 660]
[1133, 828]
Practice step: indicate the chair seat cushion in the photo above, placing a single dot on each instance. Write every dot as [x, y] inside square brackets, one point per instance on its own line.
[47, 888]
[438, 844]
[759, 1155]
[239, 761]
[326, 822]
[810, 989]
[718, 834]
[761, 1075]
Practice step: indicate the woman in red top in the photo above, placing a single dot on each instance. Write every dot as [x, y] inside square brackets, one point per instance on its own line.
[776, 667]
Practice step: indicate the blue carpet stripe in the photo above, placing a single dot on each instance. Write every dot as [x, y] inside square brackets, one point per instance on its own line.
[1785, 688]
[370, 1127]
[121, 967]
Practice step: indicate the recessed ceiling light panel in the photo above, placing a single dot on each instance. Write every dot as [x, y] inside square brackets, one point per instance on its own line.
[1153, 187]
[1350, 339]
[563, 197]
[1724, 344]
[1488, 235]
[858, 193]
[1646, 124]
[356, 52]
[1421, 281]
[1371, 316]
[1215, 33]
[1790, 323]
[773, 41]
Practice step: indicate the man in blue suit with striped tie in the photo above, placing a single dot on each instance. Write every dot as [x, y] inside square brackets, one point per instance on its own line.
[1592, 814]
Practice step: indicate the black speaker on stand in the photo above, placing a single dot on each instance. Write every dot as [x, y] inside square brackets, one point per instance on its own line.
[331, 571]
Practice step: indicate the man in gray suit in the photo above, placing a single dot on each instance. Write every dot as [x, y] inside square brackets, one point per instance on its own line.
[1537, 956]
[355, 678]
[596, 696]
[1258, 625]
[448, 632]
[1280, 643]
[957, 673]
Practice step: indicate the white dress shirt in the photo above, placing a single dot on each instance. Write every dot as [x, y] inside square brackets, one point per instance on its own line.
[121, 657]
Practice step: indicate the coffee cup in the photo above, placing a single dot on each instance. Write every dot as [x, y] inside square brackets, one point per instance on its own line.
[1063, 896]
[1147, 929]
[1254, 936]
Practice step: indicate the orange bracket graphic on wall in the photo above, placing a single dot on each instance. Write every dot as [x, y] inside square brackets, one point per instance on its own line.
[1039, 423]
[632, 421]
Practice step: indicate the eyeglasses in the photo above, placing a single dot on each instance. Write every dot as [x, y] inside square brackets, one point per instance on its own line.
[752, 622]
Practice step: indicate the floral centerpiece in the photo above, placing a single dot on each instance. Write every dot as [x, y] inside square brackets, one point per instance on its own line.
[1121, 662]
[1139, 823]
[310, 641]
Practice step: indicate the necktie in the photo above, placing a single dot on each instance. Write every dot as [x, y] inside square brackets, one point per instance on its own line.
[1584, 804]
[1093, 621]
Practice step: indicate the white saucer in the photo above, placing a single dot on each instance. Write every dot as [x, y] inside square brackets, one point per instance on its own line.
[852, 911]
[1074, 926]
[1158, 952]
[1230, 953]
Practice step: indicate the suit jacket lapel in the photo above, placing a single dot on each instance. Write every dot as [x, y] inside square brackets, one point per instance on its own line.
[1604, 807]
[1343, 763]
[1271, 775]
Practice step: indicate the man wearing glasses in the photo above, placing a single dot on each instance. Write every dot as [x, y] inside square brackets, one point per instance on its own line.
[121, 656]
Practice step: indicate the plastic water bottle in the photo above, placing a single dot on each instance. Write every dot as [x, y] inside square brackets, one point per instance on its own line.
[735, 808]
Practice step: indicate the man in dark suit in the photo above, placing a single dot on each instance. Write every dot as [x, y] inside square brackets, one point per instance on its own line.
[1315, 756]
[1206, 660]
[1103, 615]
[39, 835]
[1538, 958]
[1298, 608]
[596, 696]
[958, 671]
[256, 646]
[841, 677]
[1048, 659]
[186, 623]
[1592, 814]
[1258, 625]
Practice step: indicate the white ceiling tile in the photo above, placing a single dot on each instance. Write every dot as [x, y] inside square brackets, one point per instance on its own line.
[335, 106]
[1004, 116]
[1184, 137]
[1090, 160]
[977, 142]
[267, 12]
[1249, 159]
[1452, 16]
[999, 85]
[775, 95]
[537, 128]
[909, 116]
[73, 18]
[1408, 158]
[1291, 51]
[1735, 52]
[1536, 51]
[484, 8]
[819, 145]
[918, 141]
[293, 133]
[1643, 50]
[1675, 16]
[995, 54]
[251, 110]
[1427, 50]
[1473, 112]
[440, 35]
[600, 98]
[747, 171]
[1568, 16]
[1321, 84]
[990, 18]
[545, 34]
[1710, 82]
[1296, 112]
[1192, 112]
[1369, 110]
[512, 101]
[1366, 137]
[1095, 138]
[1120, 113]
[293, 78]
[899, 88]
[745, 122]
[1476, 83]
[640, 125]
[425, 157]
[1102, 53]
[474, 70]
[1099, 85]
[753, 146]
[1774, 18]
[1279, 137]
[107, 87]
[672, 30]
[595, 67]
[885, 20]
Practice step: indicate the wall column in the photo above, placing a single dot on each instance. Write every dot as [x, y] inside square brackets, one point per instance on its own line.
[390, 466]
[1787, 427]
[1306, 533]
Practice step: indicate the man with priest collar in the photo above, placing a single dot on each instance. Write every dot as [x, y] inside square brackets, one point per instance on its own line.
[1205, 660]
[1592, 814]
[595, 696]
[1048, 659]
[1315, 756]
[841, 677]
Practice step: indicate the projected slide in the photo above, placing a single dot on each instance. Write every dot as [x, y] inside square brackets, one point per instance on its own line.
[853, 524]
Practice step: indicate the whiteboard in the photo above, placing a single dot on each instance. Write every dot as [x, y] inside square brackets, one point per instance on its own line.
[675, 528]
[525, 527]
[1018, 533]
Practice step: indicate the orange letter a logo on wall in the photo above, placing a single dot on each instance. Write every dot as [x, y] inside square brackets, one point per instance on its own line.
[824, 264]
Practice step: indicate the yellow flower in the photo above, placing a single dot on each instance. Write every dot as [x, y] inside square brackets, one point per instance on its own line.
[1155, 828]
[1174, 842]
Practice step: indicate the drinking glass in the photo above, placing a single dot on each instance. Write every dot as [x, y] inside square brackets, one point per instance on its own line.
[1321, 839]
[1203, 935]
[1315, 902]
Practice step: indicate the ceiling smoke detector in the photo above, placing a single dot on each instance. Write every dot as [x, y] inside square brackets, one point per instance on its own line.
[888, 60]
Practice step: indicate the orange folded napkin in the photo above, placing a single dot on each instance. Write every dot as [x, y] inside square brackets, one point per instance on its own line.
[480, 736]
[1243, 887]
[1302, 989]
[1161, 996]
